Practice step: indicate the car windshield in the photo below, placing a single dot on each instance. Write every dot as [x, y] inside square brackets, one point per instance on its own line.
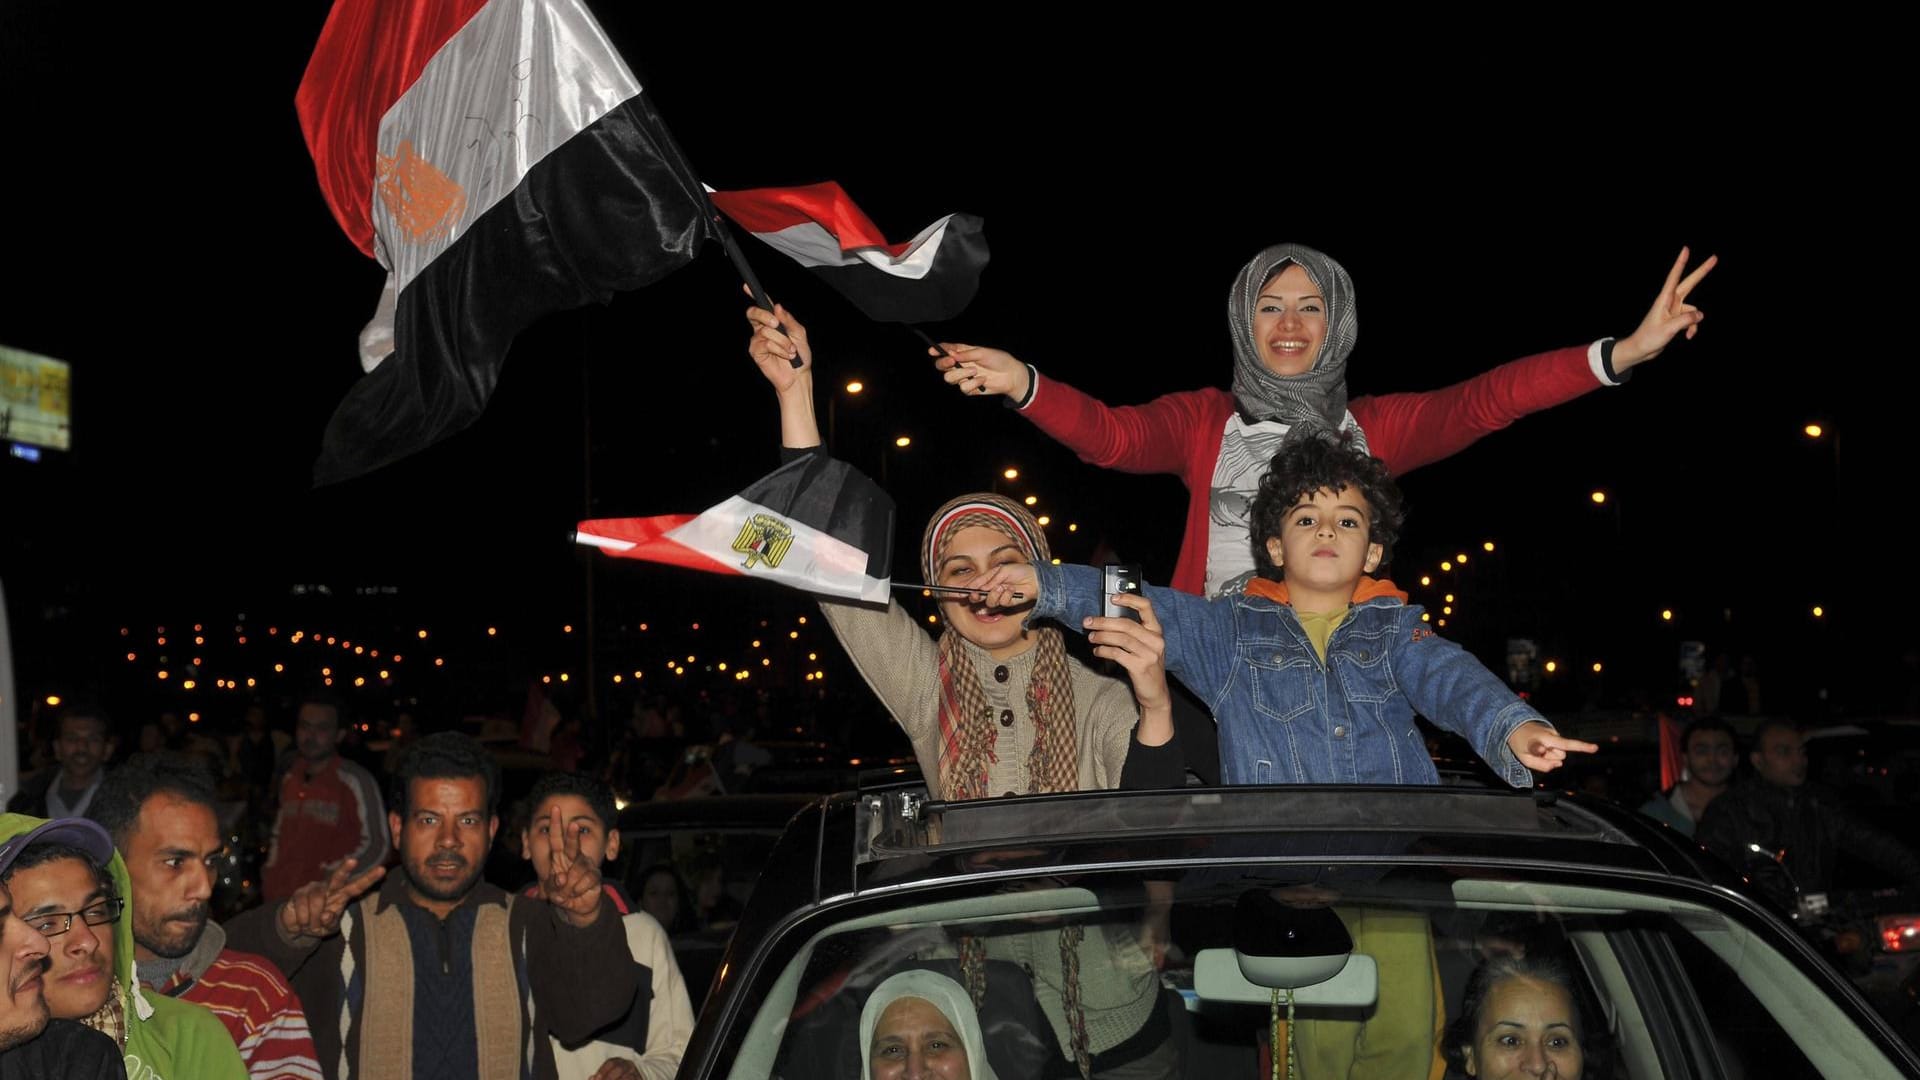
[1398, 967]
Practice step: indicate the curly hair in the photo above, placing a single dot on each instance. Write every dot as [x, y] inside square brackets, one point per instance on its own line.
[1316, 461]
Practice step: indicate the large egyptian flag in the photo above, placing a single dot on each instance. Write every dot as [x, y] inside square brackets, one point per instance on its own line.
[929, 278]
[816, 523]
[501, 161]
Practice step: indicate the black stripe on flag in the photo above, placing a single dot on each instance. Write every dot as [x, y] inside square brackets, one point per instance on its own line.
[832, 497]
[616, 207]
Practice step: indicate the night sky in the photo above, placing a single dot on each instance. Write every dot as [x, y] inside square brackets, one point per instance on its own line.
[168, 239]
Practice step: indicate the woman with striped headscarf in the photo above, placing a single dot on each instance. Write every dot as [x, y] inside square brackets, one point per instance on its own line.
[993, 707]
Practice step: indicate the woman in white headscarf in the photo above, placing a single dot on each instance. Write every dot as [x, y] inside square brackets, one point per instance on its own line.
[1293, 321]
[921, 1024]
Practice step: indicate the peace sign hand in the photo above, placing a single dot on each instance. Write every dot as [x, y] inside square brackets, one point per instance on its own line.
[314, 909]
[1669, 315]
[571, 884]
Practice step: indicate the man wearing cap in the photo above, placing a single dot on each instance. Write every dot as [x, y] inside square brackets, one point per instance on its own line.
[31, 1044]
[64, 878]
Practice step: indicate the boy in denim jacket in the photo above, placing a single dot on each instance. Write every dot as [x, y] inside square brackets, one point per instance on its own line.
[1312, 669]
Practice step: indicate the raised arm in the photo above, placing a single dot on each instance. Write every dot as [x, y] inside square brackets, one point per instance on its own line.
[1150, 438]
[1414, 429]
[773, 353]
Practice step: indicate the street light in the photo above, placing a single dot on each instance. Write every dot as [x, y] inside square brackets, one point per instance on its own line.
[1598, 497]
[903, 442]
[1814, 431]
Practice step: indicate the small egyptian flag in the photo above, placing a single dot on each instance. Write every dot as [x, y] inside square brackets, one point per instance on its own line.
[816, 523]
[499, 159]
[930, 278]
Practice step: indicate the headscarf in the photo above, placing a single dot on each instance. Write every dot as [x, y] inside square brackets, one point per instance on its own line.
[943, 994]
[1315, 399]
[967, 727]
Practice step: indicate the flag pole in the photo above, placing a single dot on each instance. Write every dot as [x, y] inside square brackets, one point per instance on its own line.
[741, 266]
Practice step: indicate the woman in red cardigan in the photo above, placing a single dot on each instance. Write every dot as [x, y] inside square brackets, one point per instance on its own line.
[1293, 322]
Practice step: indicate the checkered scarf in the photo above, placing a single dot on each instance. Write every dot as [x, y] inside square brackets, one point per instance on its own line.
[967, 726]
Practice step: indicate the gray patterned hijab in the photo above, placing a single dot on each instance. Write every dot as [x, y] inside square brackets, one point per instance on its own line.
[1315, 399]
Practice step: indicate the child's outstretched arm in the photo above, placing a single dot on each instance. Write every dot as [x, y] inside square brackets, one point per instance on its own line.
[1448, 686]
[1198, 633]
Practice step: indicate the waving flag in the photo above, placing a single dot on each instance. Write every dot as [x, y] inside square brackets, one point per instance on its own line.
[816, 523]
[930, 278]
[500, 160]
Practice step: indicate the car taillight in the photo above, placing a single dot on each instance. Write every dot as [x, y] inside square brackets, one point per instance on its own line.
[1900, 933]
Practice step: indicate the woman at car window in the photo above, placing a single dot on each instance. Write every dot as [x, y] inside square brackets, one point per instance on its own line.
[1523, 1017]
[921, 1024]
[993, 708]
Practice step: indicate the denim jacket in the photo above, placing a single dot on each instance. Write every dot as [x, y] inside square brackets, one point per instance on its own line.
[1285, 717]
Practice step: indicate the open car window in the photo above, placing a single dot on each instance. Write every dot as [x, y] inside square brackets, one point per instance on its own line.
[1123, 976]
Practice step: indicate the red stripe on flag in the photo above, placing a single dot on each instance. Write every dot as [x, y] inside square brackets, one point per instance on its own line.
[650, 542]
[369, 54]
[766, 210]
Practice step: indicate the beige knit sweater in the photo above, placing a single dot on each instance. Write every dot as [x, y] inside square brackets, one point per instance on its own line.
[902, 665]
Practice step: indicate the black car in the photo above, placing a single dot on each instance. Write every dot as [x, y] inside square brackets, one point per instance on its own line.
[1230, 932]
[715, 848]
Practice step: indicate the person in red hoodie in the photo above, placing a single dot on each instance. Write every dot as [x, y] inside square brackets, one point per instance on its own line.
[330, 808]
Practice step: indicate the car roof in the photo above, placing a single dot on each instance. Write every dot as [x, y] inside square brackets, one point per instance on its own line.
[721, 813]
[851, 844]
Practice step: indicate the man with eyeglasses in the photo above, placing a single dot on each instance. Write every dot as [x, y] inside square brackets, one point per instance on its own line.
[159, 809]
[32, 1045]
[66, 884]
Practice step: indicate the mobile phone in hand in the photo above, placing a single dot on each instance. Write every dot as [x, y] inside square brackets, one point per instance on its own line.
[1119, 578]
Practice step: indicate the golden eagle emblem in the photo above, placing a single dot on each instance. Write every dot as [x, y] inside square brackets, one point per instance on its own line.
[763, 539]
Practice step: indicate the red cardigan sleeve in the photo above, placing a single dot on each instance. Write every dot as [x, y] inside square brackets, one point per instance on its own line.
[1410, 430]
[1156, 437]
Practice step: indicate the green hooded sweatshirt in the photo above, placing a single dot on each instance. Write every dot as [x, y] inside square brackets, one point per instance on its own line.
[167, 1039]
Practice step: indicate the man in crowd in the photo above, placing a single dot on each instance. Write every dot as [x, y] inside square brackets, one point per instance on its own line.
[82, 744]
[159, 809]
[32, 1045]
[329, 807]
[1797, 823]
[430, 969]
[1707, 748]
[647, 1043]
[65, 880]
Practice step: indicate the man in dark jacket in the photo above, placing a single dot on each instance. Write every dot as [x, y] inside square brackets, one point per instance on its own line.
[1802, 826]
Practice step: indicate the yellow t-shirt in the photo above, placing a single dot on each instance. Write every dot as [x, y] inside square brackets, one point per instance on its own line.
[1320, 626]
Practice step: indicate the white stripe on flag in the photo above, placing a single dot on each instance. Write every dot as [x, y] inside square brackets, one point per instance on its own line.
[810, 244]
[605, 543]
[519, 79]
[816, 562]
